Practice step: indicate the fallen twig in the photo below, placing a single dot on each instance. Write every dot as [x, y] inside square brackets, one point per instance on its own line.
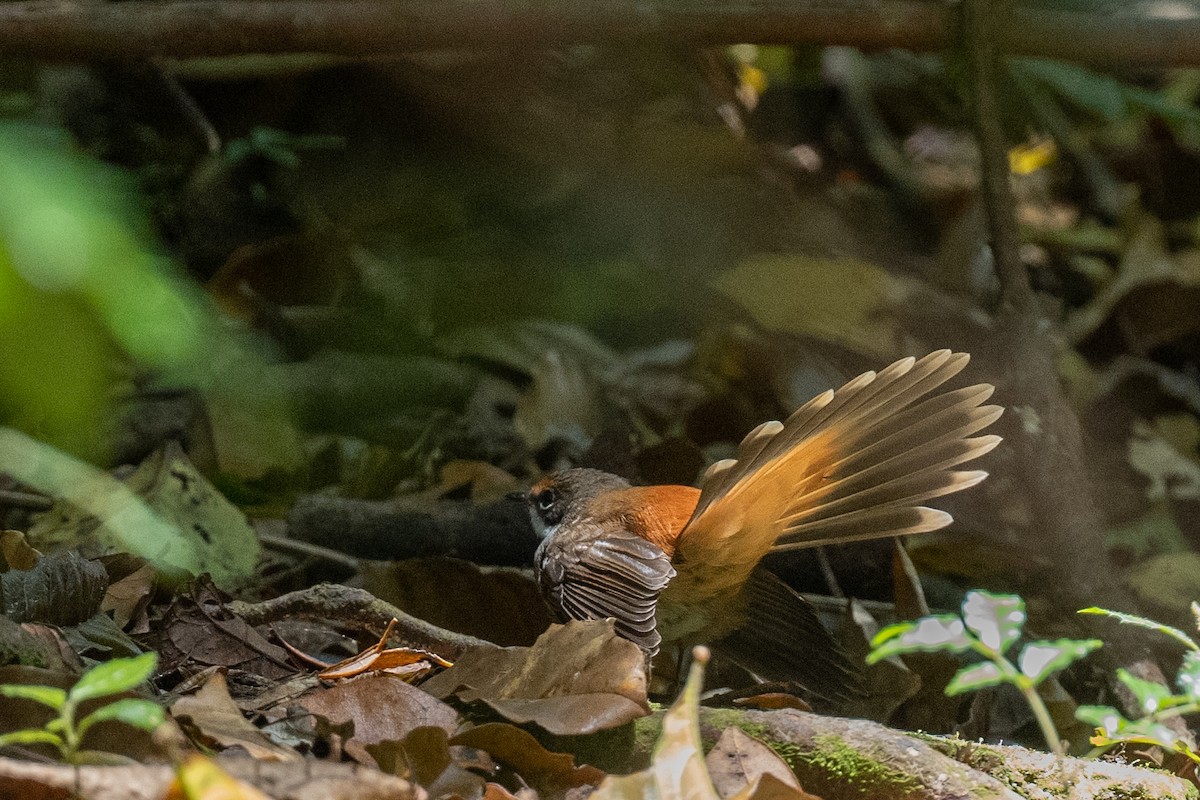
[333, 601]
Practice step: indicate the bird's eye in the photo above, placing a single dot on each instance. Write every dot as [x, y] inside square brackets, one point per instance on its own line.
[546, 499]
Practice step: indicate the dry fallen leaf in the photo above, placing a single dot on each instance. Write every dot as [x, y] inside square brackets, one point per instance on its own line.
[677, 770]
[215, 718]
[200, 630]
[188, 523]
[16, 551]
[200, 778]
[424, 757]
[406, 662]
[382, 708]
[549, 773]
[738, 760]
[128, 597]
[577, 678]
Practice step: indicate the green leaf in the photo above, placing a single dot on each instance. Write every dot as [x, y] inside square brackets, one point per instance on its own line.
[1088, 90]
[1150, 696]
[1142, 622]
[943, 632]
[132, 711]
[996, 619]
[1188, 677]
[889, 632]
[30, 736]
[974, 677]
[111, 677]
[1144, 732]
[46, 695]
[1104, 717]
[1039, 660]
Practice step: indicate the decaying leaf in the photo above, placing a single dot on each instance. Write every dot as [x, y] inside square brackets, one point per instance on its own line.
[216, 719]
[60, 589]
[577, 678]
[423, 756]
[197, 529]
[128, 597]
[200, 630]
[90, 502]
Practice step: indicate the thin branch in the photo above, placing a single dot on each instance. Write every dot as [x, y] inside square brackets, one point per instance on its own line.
[358, 606]
[984, 21]
[206, 28]
[1048, 442]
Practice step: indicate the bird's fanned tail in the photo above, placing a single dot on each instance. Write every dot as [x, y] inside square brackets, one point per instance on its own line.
[852, 464]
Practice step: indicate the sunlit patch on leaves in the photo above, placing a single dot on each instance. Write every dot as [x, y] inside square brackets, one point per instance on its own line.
[1156, 702]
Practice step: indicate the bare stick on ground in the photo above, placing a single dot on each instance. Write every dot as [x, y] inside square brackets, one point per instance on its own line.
[344, 603]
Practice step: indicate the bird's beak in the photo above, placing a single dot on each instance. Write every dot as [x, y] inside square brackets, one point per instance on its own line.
[520, 497]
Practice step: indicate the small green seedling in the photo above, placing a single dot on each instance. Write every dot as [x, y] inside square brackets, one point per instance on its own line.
[990, 625]
[1155, 700]
[64, 731]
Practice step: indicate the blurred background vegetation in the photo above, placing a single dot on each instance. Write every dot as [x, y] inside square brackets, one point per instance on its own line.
[345, 277]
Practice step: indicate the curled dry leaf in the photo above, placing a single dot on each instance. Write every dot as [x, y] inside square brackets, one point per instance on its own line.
[218, 722]
[576, 678]
[405, 662]
[16, 552]
[60, 589]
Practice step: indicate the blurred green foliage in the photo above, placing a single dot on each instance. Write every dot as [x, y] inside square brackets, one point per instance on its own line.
[85, 292]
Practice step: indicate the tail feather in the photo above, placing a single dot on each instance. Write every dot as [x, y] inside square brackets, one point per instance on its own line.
[783, 640]
[857, 526]
[851, 464]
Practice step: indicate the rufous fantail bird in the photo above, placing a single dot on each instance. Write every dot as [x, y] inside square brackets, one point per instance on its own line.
[677, 564]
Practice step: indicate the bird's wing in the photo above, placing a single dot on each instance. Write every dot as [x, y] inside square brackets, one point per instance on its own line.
[851, 464]
[616, 575]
